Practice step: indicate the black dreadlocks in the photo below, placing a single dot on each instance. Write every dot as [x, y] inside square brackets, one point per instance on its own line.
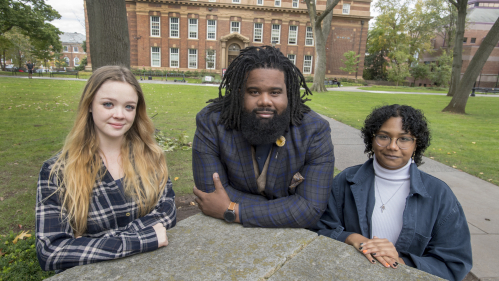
[236, 76]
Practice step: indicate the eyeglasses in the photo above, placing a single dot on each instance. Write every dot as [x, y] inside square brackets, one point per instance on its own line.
[402, 142]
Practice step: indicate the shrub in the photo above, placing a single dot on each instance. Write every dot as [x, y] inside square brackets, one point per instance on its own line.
[169, 144]
[18, 260]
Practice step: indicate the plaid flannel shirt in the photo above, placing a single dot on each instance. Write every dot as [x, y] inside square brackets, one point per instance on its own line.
[308, 150]
[114, 228]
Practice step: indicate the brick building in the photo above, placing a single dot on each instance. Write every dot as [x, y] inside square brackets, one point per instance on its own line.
[200, 35]
[481, 16]
[72, 48]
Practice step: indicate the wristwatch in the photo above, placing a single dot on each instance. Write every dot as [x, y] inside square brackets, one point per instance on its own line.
[230, 214]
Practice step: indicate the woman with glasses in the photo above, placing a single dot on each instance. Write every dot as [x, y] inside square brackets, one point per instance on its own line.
[390, 210]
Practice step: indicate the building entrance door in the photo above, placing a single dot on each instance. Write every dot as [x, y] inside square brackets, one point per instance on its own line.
[234, 50]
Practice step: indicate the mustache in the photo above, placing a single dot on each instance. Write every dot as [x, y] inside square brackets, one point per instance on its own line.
[264, 109]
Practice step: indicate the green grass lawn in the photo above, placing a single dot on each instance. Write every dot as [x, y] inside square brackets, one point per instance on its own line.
[38, 114]
[405, 89]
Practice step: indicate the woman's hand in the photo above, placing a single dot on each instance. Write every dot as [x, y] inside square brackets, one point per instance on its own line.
[161, 234]
[376, 248]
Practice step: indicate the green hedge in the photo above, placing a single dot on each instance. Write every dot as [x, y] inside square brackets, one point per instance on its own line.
[18, 261]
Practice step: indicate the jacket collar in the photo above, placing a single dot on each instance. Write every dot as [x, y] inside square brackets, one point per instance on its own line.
[366, 172]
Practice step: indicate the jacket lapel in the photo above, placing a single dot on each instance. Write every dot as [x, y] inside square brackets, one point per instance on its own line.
[278, 161]
[362, 191]
[244, 151]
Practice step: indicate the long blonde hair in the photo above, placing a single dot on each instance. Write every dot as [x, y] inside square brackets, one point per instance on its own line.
[78, 166]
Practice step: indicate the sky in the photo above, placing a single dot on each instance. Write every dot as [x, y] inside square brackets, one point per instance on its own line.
[72, 15]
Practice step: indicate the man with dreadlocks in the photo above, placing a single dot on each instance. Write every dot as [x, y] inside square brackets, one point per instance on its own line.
[261, 157]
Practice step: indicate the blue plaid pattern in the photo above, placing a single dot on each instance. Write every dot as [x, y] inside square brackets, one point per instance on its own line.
[308, 150]
[114, 227]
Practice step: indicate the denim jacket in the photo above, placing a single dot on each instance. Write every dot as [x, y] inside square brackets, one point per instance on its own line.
[434, 238]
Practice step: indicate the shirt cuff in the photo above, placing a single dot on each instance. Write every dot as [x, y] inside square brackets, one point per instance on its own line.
[148, 239]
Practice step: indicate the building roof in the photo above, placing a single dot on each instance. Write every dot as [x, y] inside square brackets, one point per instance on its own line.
[483, 15]
[72, 37]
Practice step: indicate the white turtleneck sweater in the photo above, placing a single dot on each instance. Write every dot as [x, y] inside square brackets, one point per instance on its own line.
[388, 223]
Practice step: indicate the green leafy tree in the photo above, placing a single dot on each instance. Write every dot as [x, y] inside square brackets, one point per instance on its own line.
[398, 69]
[351, 62]
[59, 61]
[20, 47]
[82, 65]
[441, 73]
[419, 71]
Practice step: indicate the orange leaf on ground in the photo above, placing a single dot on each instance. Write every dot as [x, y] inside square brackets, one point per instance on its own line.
[176, 178]
[21, 236]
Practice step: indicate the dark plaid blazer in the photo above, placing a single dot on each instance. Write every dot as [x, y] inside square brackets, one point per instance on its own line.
[308, 150]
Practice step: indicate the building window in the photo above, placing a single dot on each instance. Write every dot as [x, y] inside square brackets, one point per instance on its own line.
[295, 4]
[346, 9]
[236, 1]
[212, 30]
[473, 40]
[174, 27]
[193, 58]
[292, 58]
[174, 57]
[155, 57]
[210, 59]
[465, 39]
[276, 34]
[155, 26]
[76, 61]
[193, 28]
[277, 3]
[309, 37]
[75, 49]
[258, 32]
[307, 65]
[259, 2]
[293, 34]
[65, 48]
[235, 26]
[66, 59]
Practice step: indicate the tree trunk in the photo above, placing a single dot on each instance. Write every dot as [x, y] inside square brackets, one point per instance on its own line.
[321, 26]
[457, 56]
[459, 100]
[108, 33]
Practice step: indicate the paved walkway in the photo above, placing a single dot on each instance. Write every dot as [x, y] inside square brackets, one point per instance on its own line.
[356, 89]
[478, 198]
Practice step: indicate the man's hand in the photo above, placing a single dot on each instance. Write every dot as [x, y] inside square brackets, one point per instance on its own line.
[216, 203]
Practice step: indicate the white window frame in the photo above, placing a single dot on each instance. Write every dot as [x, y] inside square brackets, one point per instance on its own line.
[174, 57]
[259, 2]
[293, 34]
[214, 59]
[273, 34]
[155, 62]
[255, 38]
[295, 4]
[75, 49]
[193, 28]
[232, 27]
[346, 9]
[212, 0]
[172, 30]
[277, 3]
[307, 69]
[155, 26]
[293, 59]
[309, 36]
[76, 61]
[66, 59]
[214, 33]
[192, 59]
[236, 1]
[65, 48]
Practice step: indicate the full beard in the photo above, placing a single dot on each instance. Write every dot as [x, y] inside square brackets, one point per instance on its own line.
[263, 131]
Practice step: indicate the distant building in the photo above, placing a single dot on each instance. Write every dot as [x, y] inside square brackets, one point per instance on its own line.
[206, 35]
[72, 48]
[481, 16]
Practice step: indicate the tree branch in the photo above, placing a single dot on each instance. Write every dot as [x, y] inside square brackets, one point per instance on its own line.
[328, 10]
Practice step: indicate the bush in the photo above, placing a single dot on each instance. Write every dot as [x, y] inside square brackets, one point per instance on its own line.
[18, 260]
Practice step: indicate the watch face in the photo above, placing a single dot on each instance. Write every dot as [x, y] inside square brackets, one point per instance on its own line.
[229, 216]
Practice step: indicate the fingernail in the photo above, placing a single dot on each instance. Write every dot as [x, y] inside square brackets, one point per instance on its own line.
[360, 248]
[373, 261]
[373, 254]
[387, 265]
[215, 175]
[365, 251]
[395, 265]
[361, 244]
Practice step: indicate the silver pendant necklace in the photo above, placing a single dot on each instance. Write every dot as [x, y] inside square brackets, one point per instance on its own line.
[379, 194]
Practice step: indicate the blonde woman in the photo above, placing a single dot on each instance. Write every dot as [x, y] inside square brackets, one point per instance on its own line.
[107, 194]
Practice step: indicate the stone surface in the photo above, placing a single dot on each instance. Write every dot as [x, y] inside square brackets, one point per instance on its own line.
[203, 248]
[328, 259]
[485, 247]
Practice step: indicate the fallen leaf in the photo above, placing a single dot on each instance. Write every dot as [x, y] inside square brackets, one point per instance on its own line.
[21, 236]
[20, 226]
[454, 166]
[1, 253]
[192, 204]
[448, 153]
[176, 178]
[473, 142]
[490, 179]
[432, 157]
[1, 198]
[481, 173]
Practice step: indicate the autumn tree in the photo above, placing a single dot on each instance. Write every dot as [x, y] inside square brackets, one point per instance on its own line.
[321, 26]
[460, 98]
[108, 33]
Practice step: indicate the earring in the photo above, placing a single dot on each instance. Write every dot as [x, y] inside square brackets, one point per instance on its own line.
[413, 154]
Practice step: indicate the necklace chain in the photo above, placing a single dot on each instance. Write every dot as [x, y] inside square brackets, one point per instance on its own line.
[379, 194]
